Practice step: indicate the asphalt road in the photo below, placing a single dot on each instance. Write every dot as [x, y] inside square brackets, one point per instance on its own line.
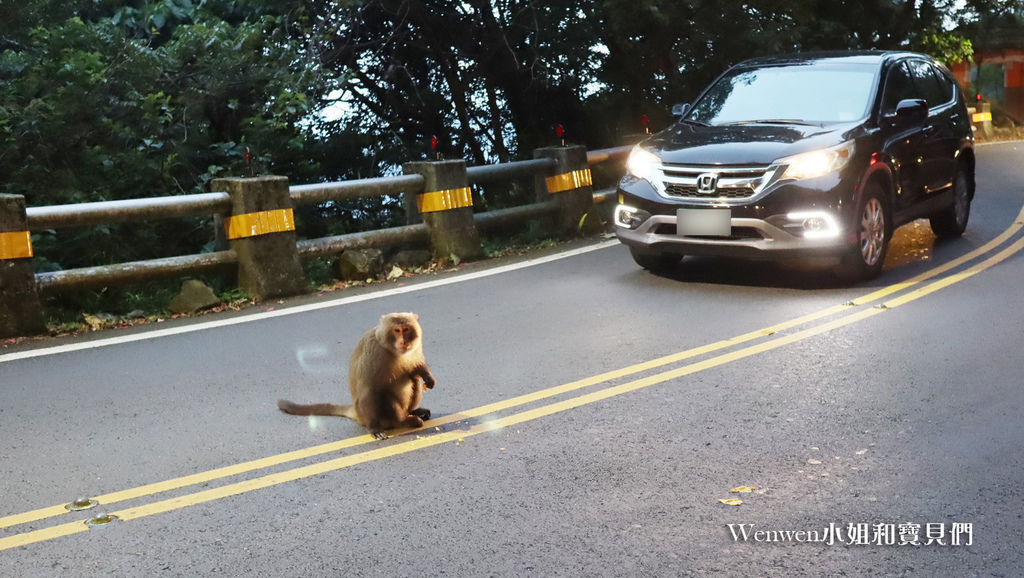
[589, 416]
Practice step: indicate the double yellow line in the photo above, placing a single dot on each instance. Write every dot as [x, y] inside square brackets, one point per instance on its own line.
[418, 443]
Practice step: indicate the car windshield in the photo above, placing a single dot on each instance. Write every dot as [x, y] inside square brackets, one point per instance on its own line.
[788, 94]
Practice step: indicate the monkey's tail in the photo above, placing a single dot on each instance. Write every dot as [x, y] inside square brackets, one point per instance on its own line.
[317, 409]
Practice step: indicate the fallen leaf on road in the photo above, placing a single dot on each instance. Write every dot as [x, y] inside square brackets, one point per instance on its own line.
[731, 501]
[743, 489]
[861, 452]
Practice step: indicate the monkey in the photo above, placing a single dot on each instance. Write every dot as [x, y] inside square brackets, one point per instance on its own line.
[387, 374]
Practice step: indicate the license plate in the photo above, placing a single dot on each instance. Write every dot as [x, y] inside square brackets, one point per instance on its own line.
[704, 222]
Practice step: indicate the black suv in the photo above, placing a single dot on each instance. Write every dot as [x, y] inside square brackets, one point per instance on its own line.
[813, 157]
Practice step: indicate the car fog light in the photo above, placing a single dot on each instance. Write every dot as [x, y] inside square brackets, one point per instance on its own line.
[626, 216]
[815, 224]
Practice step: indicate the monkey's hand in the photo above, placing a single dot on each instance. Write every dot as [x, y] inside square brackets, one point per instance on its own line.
[379, 435]
[427, 377]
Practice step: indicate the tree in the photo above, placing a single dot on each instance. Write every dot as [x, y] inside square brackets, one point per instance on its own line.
[103, 100]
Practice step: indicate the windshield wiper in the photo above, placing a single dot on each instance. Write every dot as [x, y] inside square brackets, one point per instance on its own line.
[773, 121]
[694, 122]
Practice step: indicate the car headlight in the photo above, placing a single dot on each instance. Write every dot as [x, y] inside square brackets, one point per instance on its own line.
[642, 164]
[817, 163]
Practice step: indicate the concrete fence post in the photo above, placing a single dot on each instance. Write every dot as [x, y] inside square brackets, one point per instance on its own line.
[261, 231]
[981, 118]
[446, 207]
[569, 182]
[20, 310]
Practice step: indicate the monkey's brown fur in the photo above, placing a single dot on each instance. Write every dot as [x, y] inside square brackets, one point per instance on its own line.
[384, 376]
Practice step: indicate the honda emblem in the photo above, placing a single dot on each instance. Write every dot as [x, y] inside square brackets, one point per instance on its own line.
[707, 182]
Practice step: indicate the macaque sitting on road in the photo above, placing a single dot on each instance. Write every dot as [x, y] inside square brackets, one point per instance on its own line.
[384, 377]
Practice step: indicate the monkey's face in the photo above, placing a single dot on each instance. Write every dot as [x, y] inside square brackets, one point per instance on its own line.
[404, 338]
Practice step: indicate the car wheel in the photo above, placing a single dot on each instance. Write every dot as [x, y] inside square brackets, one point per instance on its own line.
[951, 221]
[865, 259]
[654, 261]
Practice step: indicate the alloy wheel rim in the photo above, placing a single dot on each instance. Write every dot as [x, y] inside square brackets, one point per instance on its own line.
[872, 232]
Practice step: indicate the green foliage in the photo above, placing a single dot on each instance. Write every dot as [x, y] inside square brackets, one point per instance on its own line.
[320, 271]
[153, 98]
[947, 47]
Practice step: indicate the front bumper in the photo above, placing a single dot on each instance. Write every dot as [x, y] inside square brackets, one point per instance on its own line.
[762, 228]
[752, 239]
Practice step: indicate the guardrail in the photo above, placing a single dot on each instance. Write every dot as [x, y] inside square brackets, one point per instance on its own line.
[437, 194]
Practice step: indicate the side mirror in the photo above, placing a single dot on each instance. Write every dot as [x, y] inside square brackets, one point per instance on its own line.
[910, 111]
[680, 109]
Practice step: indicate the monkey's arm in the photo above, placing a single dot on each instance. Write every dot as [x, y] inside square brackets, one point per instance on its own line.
[423, 371]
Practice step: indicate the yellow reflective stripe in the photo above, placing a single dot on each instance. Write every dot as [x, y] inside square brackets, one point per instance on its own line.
[16, 245]
[569, 181]
[261, 223]
[982, 117]
[445, 200]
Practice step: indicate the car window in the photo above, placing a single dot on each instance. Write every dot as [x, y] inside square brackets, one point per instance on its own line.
[809, 93]
[926, 80]
[947, 84]
[898, 86]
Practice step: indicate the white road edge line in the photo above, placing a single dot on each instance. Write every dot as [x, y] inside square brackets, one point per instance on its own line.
[42, 352]
[998, 142]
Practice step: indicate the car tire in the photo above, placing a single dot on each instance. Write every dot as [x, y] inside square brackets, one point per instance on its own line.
[865, 258]
[654, 261]
[952, 221]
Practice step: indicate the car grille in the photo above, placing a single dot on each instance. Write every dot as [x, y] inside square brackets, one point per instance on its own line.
[737, 234]
[692, 192]
[731, 183]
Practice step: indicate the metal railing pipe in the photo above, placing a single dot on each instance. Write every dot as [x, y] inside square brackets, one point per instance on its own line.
[604, 196]
[357, 189]
[134, 271]
[106, 212]
[601, 155]
[408, 234]
[519, 169]
[494, 219]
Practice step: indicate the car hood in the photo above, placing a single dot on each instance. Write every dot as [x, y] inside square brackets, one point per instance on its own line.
[746, 144]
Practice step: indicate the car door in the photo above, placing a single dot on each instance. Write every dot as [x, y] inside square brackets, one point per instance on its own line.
[940, 144]
[903, 141]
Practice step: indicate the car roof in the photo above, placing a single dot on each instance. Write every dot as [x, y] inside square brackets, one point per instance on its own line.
[850, 56]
